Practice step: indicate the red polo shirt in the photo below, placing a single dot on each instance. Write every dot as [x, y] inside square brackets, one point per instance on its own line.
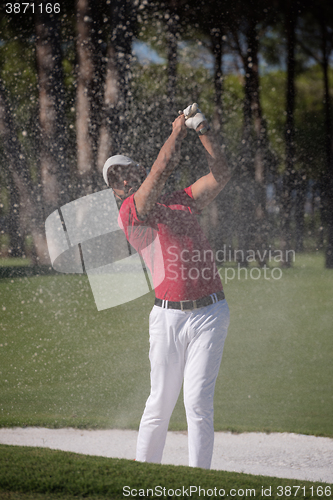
[173, 246]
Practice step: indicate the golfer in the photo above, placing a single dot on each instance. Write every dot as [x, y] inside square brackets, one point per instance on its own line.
[189, 321]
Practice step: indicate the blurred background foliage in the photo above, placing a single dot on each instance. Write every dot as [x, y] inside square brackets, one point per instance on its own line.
[82, 80]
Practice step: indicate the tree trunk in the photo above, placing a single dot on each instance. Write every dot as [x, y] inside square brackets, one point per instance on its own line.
[31, 214]
[246, 224]
[301, 185]
[172, 58]
[114, 133]
[172, 52]
[54, 172]
[328, 178]
[216, 40]
[89, 96]
[288, 179]
[219, 236]
[107, 143]
[261, 147]
[16, 239]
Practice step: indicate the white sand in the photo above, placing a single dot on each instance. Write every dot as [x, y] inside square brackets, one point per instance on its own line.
[292, 456]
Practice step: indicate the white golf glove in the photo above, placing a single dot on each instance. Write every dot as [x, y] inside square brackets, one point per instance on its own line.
[193, 116]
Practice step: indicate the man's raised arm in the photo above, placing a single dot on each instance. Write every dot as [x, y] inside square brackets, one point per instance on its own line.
[167, 159]
[206, 188]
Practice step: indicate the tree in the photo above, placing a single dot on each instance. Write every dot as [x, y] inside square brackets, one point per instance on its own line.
[172, 35]
[318, 27]
[327, 46]
[31, 215]
[315, 37]
[289, 174]
[217, 34]
[12, 223]
[248, 25]
[53, 166]
[115, 115]
[89, 94]
[210, 20]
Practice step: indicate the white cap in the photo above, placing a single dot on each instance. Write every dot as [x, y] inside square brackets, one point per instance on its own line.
[115, 160]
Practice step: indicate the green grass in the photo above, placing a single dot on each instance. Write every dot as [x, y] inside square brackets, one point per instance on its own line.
[37, 473]
[277, 369]
[64, 363]
[14, 262]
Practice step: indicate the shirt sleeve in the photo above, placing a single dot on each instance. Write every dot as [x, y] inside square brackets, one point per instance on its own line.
[192, 205]
[139, 233]
[128, 214]
[188, 191]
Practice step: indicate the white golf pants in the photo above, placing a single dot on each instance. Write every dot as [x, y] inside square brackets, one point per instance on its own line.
[185, 346]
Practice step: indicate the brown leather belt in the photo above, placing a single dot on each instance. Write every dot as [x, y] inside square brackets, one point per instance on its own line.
[186, 305]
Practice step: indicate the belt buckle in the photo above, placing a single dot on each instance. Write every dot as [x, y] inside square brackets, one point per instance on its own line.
[183, 302]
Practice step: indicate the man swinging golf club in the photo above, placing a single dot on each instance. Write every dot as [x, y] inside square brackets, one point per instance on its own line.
[189, 321]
